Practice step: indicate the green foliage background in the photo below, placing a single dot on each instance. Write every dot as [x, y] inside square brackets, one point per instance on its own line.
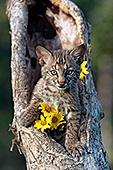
[100, 15]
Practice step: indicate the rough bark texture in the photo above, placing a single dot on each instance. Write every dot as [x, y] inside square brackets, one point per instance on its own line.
[53, 24]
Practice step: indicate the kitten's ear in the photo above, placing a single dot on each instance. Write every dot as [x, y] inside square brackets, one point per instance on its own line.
[78, 52]
[43, 55]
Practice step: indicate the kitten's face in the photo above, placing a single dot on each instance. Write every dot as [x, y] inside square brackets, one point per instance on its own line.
[60, 68]
[61, 72]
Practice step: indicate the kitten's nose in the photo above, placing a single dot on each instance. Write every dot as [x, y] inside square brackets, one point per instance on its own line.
[61, 83]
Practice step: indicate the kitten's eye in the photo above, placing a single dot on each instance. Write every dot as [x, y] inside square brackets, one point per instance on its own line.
[69, 72]
[53, 72]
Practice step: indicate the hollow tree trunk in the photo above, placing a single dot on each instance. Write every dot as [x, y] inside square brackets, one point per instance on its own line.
[54, 24]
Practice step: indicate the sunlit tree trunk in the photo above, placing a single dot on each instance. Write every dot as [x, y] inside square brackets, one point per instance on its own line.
[54, 24]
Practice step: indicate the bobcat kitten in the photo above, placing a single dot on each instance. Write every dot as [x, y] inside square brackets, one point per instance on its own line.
[57, 87]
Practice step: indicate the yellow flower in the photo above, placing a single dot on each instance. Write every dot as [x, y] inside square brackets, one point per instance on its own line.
[42, 124]
[56, 119]
[83, 70]
[45, 109]
[50, 119]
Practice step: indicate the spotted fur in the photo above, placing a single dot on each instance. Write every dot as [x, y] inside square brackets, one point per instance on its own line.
[58, 87]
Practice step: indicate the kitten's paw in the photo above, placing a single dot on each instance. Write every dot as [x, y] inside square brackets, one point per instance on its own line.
[26, 119]
[77, 149]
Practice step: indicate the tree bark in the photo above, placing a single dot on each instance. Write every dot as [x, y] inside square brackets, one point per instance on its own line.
[54, 24]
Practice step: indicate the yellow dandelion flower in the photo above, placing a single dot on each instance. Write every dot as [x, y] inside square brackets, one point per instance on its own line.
[42, 124]
[50, 119]
[83, 70]
[45, 109]
[56, 119]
